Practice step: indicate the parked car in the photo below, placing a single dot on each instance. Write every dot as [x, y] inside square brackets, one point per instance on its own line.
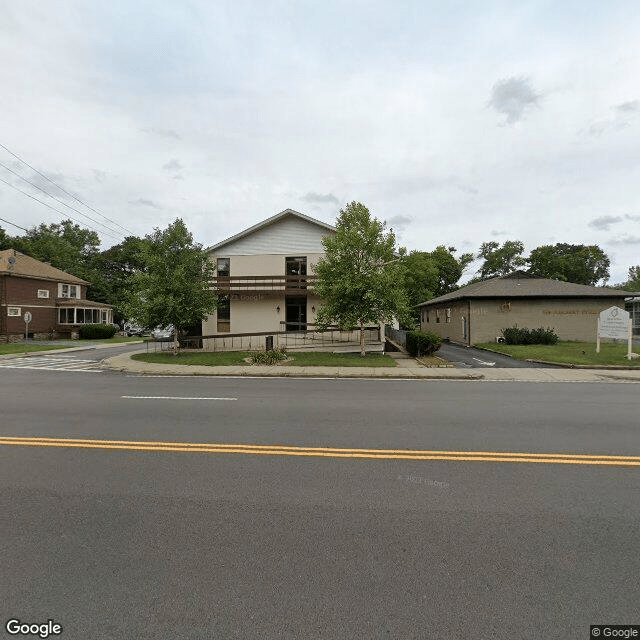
[132, 329]
[163, 334]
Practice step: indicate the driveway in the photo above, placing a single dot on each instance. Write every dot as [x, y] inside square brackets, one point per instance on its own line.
[468, 357]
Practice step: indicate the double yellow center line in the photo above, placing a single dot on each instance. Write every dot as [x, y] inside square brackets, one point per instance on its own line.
[325, 452]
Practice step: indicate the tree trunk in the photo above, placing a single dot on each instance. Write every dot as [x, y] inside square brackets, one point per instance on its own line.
[362, 351]
[175, 341]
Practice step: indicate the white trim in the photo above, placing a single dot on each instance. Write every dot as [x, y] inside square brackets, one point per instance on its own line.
[14, 315]
[43, 293]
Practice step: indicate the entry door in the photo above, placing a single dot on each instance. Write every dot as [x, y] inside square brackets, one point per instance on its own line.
[296, 313]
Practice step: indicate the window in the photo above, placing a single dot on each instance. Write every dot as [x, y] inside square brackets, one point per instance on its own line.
[66, 316]
[223, 266]
[296, 266]
[448, 315]
[224, 314]
[43, 293]
[69, 291]
[13, 311]
[104, 317]
[437, 315]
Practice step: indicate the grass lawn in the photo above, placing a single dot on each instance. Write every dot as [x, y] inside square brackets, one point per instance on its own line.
[322, 359]
[568, 353]
[298, 359]
[13, 347]
[217, 359]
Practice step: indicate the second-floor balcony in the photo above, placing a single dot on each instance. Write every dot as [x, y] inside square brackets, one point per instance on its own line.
[263, 284]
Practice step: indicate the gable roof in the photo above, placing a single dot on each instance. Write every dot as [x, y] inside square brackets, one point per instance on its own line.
[521, 285]
[28, 267]
[268, 222]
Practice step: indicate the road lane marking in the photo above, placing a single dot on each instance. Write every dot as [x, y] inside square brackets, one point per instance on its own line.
[327, 452]
[172, 398]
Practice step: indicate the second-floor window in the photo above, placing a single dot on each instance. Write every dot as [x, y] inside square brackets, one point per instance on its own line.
[296, 266]
[223, 267]
[69, 291]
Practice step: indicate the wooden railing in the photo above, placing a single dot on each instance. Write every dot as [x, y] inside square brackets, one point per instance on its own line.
[263, 284]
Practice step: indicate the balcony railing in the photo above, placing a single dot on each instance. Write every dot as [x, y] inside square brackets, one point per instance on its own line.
[263, 284]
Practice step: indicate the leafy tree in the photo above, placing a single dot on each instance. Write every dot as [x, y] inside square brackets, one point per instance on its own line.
[578, 263]
[500, 260]
[5, 240]
[360, 278]
[174, 286]
[65, 245]
[633, 282]
[112, 271]
[450, 268]
[421, 279]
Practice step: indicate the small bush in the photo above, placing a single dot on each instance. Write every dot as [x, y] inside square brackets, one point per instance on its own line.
[422, 343]
[97, 331]
[520, 335]
[269, 357]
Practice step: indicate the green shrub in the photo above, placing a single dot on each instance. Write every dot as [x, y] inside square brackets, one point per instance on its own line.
[422, 343]
[97, 331]
[520, 335]
[269, 357]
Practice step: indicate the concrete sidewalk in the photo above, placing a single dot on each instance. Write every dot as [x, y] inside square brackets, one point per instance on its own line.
[126, 364]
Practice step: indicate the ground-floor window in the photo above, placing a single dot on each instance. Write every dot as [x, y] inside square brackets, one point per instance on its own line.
[224, 314]
[72, 315]
[13, 311]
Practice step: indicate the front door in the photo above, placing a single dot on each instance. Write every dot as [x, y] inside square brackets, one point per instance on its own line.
[296, 313]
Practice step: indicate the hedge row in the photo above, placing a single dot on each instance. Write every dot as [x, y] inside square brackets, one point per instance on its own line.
[97, 331]
[422, 343]
[517, 335]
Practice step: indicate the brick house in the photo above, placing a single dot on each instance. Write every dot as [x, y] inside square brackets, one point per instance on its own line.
[480, 311]
[56, 300]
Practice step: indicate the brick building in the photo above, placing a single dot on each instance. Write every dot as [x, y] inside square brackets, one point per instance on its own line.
[56, 300]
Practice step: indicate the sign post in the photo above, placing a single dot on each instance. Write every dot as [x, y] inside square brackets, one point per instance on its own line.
[615, 323]
[27, 317]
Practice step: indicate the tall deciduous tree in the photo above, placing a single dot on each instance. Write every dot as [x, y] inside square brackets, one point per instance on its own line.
[421, 279]
[633, 282]
[450, 268]
[578, 263]
[174, 288]
[360, 278]
[500, 260]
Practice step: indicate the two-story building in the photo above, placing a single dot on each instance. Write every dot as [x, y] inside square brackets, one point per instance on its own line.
[265, 276]
[55, 299]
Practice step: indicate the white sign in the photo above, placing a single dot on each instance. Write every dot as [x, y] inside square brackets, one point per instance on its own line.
[614, 323]
[27, 317]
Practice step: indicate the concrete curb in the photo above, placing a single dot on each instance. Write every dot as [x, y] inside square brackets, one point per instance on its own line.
[123, 363]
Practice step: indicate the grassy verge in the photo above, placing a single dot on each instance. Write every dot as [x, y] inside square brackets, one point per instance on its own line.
[322, 359]
[298, 359]
[568, 353]
[26, 348]
[218, 359]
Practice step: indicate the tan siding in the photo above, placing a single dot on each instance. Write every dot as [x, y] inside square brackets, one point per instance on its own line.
[571, 319]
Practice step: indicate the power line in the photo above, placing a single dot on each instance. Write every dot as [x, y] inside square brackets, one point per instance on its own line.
[53, 208]
[66, 192]
[14, 225]
[60, 201]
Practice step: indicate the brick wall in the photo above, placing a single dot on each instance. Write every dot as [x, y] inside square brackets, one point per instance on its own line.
[23, 293]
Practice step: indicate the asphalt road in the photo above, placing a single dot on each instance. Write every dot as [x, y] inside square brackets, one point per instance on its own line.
[469, 357]
[278, 543]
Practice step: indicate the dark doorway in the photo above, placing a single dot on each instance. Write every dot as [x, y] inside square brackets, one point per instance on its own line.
[296, 313]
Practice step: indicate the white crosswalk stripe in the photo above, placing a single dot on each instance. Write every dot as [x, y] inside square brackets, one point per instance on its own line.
[52, 363]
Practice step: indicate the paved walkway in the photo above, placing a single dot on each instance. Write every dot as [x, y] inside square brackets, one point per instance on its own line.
[405, 371]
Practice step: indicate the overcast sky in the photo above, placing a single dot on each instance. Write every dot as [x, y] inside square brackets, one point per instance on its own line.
[457, 122]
